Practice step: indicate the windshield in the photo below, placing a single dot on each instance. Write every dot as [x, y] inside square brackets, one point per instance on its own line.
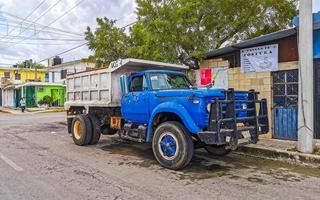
[163, 81]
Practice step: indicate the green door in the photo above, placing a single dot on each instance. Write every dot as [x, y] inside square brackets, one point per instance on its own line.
[62, 94]
[55, 97]
[30, 93]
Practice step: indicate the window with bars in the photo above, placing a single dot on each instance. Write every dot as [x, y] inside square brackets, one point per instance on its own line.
[285, 88]
[7, 75]
[63, 74]
[17, 76]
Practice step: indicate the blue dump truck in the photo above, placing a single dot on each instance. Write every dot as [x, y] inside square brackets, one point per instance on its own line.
[153, 102]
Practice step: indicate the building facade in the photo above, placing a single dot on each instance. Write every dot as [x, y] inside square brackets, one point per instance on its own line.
[10, 76]
[21, 75]
[269, 64]
[58, 73]
[35, 92]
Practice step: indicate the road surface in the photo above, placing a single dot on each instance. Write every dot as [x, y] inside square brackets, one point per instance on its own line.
[38, 160]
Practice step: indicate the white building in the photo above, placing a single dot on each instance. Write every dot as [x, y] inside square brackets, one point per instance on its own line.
[58, 73]
[8, 96]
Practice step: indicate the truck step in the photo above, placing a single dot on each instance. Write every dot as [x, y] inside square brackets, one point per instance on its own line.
[125, 137]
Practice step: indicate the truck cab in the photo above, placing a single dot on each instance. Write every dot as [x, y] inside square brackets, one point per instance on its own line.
[163, 108]
[156, 97]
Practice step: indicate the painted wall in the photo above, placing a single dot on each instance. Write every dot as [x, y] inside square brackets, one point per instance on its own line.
[316, 33]
[8, 98]
[56, 92]
[26, 75]
[316, 44]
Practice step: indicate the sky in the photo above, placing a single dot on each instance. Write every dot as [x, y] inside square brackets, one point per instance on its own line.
[16, 48]
[13, 50]
[316, 5]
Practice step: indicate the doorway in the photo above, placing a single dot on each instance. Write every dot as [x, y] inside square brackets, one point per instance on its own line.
[0, 97]
[317, 99]
[285, 104]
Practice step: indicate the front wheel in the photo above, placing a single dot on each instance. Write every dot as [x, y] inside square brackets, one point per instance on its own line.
[217, 150]
[172, 145]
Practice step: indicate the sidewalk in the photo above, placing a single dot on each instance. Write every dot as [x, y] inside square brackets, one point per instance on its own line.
[281, 150]
[17, 111]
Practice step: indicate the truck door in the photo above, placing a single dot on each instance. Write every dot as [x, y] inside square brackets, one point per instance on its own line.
[135, 105]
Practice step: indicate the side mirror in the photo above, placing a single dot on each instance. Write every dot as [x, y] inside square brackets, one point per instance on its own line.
[124, 85]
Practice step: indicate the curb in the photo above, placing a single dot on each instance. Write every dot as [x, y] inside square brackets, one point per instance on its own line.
[276, 154]
[18, 112]
[4, 111]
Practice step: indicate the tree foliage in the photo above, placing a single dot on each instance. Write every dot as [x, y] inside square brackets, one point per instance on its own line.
[30, 64]
[108, 42]
[183, 31]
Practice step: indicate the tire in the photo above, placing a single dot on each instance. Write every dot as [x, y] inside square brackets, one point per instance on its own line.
[81, 130]
[96, 129]
[217, 150]
[69, 124]
[172, 145]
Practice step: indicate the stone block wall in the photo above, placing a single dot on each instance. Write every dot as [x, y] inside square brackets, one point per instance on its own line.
[261, 82]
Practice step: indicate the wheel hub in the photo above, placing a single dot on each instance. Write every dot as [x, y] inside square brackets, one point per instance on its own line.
[77, 130]
[168, 146]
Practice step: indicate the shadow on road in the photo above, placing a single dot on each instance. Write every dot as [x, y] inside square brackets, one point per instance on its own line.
[204, 166]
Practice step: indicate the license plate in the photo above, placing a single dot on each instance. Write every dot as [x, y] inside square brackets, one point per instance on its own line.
[246, 134]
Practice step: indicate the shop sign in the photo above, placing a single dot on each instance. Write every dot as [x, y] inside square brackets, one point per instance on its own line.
[259, 59]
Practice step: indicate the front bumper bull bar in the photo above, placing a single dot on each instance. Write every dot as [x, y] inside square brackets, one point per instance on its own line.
[226, 127]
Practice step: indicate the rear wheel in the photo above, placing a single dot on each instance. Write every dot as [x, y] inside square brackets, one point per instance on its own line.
[172, 145]
[217, 150]
[69, 125]
[96, 129]
[81, 130]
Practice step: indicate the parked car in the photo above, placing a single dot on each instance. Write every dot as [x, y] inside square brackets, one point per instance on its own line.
[154, 102]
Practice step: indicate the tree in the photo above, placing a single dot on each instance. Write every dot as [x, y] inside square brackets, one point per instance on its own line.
[183, 31]
[30, 64]
[108, 42]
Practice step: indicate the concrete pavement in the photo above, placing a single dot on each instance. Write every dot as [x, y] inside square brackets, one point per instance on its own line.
[284, 150]
[38, 160]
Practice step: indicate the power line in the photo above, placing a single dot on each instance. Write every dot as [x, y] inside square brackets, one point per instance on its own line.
[64, 14]
[34, 29]
[36, 8]
[129, 24]
[41, 25]
[43, 14]
[7, 64]
[61, 16]
[49, 39]
[44, 44]
[66, 51]
[76, 47]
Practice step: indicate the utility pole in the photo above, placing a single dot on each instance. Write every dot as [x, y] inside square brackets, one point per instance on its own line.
[306, 79]
[35, 72]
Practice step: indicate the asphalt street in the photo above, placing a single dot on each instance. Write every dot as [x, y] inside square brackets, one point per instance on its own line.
[38, 160]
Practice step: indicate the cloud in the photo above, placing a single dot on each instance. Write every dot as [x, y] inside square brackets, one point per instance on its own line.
[75, 21]
[316, 5]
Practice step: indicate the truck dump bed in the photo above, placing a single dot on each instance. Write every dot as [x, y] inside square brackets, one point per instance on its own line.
[101, 87]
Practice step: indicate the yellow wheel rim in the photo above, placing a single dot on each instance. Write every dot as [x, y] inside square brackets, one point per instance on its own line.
[77, 130]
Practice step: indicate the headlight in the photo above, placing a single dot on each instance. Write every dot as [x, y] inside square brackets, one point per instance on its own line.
[208, 107]
[244, 106]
